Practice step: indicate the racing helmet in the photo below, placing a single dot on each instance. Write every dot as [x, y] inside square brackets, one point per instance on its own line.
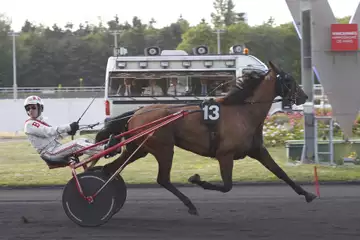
[34, 100]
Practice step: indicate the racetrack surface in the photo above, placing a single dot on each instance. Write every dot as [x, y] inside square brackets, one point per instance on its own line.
[247, 212]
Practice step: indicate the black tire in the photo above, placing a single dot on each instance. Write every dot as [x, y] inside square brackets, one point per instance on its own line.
[79, 210]
[120, 188]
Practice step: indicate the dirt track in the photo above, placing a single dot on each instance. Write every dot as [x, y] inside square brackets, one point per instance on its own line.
[272, 212]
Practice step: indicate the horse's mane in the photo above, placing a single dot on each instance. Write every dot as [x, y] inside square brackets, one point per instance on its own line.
[244, 88]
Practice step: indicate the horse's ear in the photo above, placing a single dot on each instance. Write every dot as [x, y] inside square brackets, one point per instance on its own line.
[274, 67]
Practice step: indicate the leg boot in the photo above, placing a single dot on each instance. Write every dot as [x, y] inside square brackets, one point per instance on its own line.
[112, 142]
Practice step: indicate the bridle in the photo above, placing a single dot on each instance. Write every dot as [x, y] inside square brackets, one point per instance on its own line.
[284, 87]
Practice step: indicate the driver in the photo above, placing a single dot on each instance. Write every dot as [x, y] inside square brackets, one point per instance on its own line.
[44, 138]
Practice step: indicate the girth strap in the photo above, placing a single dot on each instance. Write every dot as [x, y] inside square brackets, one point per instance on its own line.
[213, 140]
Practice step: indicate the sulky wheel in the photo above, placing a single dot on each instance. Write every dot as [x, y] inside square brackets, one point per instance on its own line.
[79, 210]
[119, 186]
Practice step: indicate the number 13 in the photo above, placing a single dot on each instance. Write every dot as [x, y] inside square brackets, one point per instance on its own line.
[211, 112]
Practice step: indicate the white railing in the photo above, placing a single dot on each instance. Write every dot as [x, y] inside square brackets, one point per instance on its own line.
[6, 92]
[52, 89]
[317, 87]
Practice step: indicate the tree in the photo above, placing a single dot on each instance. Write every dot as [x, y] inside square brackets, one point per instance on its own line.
[218, 15]
[184, 24]
[5, 52]
[345, 19]
[271, 21]
[198, 35]
[240, 17]
[229, 14]
[225, 15]
[48, 56]
[151, 23]
[28, 27]
[114, 24]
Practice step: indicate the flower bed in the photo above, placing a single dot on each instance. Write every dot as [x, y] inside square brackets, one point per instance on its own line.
[281, 127]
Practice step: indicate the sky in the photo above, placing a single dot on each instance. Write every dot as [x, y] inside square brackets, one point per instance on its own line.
[163, 11]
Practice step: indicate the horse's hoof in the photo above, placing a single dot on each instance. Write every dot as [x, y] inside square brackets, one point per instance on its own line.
[193, 211]
[194, 179]
[310, 197]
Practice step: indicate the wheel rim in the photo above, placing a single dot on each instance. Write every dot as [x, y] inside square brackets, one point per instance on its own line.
[79, 210]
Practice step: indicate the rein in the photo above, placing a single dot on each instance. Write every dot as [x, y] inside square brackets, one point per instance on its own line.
[273, 101]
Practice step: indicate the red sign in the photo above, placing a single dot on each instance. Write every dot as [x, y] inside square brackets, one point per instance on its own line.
[344, 37]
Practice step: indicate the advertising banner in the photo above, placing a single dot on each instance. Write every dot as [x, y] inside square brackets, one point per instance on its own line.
[344, 37]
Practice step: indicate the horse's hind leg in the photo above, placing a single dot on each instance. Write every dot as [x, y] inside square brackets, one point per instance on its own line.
[226, 163]
[264, 157]
[164, 159]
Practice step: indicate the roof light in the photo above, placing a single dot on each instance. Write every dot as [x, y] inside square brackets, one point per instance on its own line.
[143, 64]
[208, 63]
[121, 64]
[230, 63]
[186, 64]
[164, 64]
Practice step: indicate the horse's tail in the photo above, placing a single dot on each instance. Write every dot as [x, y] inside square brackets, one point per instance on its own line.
[115, 125]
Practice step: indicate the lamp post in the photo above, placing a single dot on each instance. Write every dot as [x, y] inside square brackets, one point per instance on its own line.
[218, 32]
[115, 33]
[14, 35]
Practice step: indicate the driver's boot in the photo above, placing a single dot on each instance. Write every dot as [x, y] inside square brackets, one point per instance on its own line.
[112, 142]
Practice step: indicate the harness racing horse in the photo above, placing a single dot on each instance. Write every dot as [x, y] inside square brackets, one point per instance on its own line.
[238, 128]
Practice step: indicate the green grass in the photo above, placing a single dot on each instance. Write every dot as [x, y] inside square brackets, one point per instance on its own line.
[12, 135]
[21, 165]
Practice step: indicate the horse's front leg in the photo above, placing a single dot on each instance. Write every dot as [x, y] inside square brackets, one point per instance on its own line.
[264, 157]
[226, 163]
[165, 157]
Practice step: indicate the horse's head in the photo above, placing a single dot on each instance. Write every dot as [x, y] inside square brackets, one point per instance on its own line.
[244, 87]
[286, 86]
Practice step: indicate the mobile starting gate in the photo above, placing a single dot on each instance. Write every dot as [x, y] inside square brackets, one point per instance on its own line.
[172, 76]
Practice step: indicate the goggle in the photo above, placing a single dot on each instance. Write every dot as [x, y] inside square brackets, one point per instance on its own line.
[33, 107]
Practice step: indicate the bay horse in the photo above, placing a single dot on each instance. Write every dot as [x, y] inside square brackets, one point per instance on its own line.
[239, 132]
